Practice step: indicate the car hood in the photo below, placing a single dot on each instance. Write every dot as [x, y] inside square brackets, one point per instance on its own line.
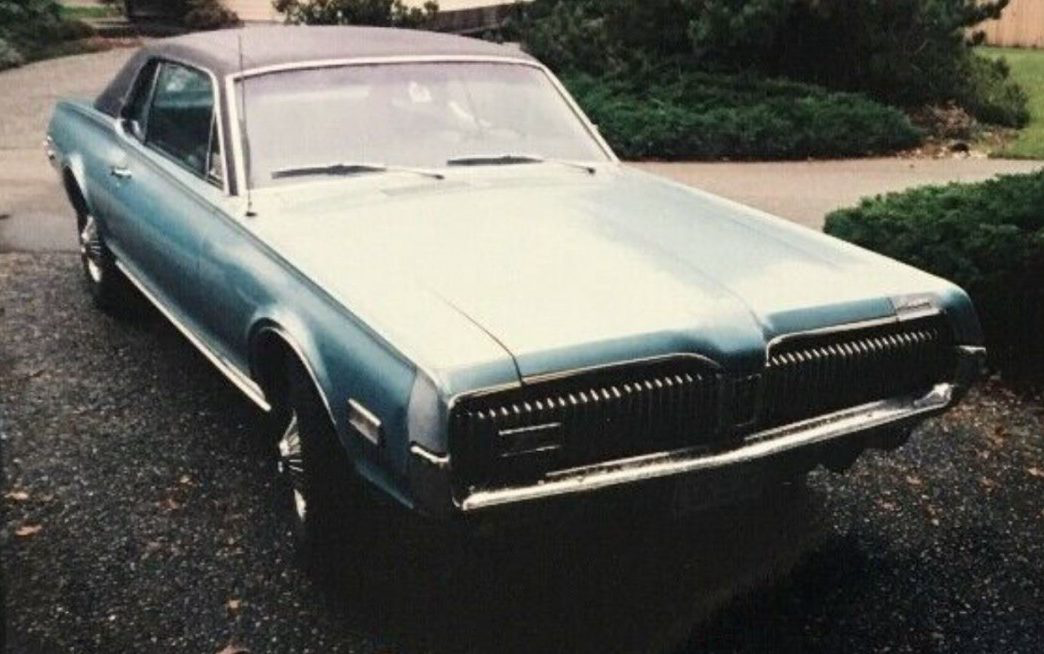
[565, 270]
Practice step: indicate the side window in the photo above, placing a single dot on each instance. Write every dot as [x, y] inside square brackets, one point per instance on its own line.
[181, 119]
[136, 111]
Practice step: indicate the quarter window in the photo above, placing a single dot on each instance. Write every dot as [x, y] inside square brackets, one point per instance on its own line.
[181, 120]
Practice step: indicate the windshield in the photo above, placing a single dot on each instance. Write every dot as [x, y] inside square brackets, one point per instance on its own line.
[421, 115]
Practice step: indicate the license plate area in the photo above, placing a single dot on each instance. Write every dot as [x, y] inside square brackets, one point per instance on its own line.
[709, 489]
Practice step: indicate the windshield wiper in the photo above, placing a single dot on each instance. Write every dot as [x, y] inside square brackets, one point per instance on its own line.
[351, 168]
[509, 158]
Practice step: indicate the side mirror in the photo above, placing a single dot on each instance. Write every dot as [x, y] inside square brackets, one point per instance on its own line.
[134, 128]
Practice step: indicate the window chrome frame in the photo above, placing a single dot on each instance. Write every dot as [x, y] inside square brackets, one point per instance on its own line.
[217, 113]
[235, 99]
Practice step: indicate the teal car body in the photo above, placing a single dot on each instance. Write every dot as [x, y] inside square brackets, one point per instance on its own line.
[409, 297]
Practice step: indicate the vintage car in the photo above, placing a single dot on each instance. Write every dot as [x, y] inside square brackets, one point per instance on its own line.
[418, 255]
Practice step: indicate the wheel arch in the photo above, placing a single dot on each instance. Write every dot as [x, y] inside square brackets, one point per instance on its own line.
[271, 346]
[74, 191]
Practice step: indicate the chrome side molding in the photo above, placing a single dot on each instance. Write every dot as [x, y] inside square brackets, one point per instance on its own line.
[364, 422]
[239, 379]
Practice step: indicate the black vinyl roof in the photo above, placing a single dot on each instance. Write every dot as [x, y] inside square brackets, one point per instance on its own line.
[219, 51]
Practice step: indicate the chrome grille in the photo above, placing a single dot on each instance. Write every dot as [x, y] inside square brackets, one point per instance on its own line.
[521, 434]
[585, 418]
[814, 374]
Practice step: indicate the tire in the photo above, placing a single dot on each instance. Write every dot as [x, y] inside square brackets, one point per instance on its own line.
[320, 489]
[109, 289]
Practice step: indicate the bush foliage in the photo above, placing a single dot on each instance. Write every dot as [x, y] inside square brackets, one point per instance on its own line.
[904, 52]
[986, 237]
[385, 13]
[208, 15]
[708, 116]
[30, 29]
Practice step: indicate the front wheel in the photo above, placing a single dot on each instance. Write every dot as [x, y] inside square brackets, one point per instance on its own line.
[314, 467]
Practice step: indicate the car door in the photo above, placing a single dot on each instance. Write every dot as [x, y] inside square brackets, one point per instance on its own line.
[170, 180]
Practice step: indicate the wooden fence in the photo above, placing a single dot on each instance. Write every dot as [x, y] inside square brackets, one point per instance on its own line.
[1021, 25]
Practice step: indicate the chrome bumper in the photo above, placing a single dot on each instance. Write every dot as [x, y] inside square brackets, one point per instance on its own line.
[430, 473]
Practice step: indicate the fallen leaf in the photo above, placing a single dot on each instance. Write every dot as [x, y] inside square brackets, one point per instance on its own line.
[25, 531]
[912, 480]
[185, 479]
[234, 649]
[17, 496]
[233, 605]
[987, 483]
[171, 504]
[1035, 472]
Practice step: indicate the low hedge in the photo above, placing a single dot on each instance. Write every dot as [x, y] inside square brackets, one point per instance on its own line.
[698, 115]
[986, 237]
[35, 29]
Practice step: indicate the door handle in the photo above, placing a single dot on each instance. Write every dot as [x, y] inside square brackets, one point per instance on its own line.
[120, 172]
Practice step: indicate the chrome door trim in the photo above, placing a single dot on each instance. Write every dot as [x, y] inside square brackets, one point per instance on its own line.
[239, 379]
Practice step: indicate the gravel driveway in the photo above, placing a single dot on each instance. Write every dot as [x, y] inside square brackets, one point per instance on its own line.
[142, 515]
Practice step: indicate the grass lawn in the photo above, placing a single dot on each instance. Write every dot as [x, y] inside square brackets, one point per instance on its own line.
[88, 12]
[1027, 68]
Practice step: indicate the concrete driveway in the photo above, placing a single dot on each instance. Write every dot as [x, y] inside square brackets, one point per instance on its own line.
[37, 213]
[805, 191]
[34, 215]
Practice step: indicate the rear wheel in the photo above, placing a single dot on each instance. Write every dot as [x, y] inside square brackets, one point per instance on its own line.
[108, 287]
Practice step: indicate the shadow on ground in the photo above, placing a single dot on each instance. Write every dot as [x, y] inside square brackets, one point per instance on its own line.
[609, 576]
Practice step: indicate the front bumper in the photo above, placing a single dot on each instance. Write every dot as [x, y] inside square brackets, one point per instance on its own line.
[798, 446]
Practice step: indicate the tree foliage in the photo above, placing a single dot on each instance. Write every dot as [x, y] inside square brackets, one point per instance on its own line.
[905, 52]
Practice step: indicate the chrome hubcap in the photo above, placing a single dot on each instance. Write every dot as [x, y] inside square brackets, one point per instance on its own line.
[91, 248]
[291, 465]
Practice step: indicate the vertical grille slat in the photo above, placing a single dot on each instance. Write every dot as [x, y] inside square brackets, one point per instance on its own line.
[818, 373]
[596, 416]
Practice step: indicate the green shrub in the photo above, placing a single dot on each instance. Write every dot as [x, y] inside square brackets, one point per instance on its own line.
[208, 15]
[10, 57]
[387, 13]
[25, 20]
[599, 36]
[712, 116]
[986, 237]
[903, 52]
[34, 29]
[991, 96]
